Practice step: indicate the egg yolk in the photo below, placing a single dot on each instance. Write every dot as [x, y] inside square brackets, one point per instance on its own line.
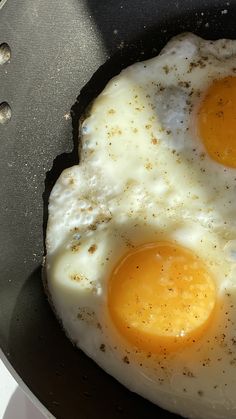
[160, 296]
[217, 121]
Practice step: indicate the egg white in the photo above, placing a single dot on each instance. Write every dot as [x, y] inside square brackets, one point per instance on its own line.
[144, 176]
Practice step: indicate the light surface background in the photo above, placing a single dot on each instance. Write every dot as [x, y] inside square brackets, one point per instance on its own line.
[14, 404]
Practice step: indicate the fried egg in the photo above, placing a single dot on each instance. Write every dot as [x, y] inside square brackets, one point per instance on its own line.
[141, 235]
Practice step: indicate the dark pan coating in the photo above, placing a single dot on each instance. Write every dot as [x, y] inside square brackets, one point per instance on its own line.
[56, 48]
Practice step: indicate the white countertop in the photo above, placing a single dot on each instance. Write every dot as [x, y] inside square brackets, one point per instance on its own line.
[14, 404]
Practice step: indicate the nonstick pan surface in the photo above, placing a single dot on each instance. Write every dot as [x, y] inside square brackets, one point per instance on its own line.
[56, 47]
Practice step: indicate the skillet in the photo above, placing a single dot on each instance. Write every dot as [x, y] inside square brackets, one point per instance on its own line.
[57, 49]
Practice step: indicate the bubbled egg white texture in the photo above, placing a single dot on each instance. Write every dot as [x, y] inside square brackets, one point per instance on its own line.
[145, 176]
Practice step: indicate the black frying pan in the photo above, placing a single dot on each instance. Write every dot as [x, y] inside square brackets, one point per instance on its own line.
[56, 47]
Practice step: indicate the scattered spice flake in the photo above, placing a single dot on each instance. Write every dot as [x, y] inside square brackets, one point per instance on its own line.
[188, 373]
[75, 247]
[99, 220]
[76, 277]
[197, 64]
[200, 393]
[166, 69]
[185, 84]
[148, 166]
[126, 360]
[154, 141]
[103, 347]
[92, 248]
[111, 111]
[92, 227]
[114, 131]
[85, 315]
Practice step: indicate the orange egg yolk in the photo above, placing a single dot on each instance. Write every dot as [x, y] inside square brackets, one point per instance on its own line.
[161, 296]
[217, 121]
